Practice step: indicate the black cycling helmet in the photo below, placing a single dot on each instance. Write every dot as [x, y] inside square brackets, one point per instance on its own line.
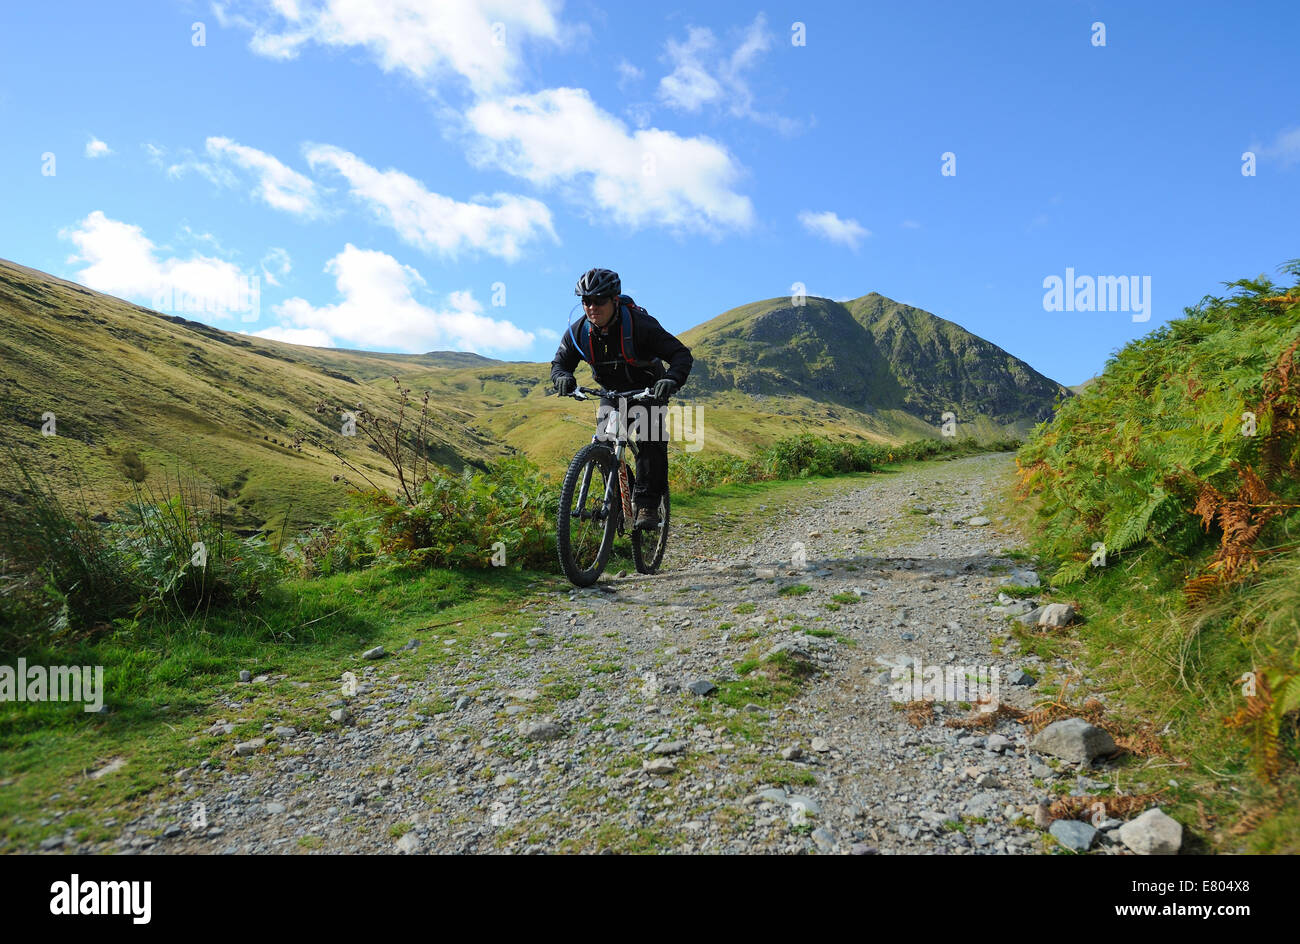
[599, 282]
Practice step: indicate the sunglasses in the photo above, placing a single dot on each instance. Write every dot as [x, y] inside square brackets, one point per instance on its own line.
[594, 300]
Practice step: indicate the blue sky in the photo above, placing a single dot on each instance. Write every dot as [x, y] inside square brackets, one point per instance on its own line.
[410, 176]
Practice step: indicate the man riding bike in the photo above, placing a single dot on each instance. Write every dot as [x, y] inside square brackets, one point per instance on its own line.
[625, 346]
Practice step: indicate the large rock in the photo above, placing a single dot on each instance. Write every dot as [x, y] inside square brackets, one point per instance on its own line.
[1056, 615]
[1074, 740]
[997, 743]
[540, 731]
[1021, 578]
[1031, 617]
[1152, 833]
[244, 748]
[1073, 834]
[702, 687]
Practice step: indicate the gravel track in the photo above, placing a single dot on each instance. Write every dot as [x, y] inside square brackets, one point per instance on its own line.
[580, 732]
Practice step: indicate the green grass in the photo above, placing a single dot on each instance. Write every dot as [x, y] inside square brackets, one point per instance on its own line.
[768, 682]
[1166, 666]
[625, 840]
[1156, 460]
[794, 590]
[167, 682]
[784, 773]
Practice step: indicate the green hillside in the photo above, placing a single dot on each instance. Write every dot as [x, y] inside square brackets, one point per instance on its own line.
[901, 365]
[942, 366]
[135, 392]
[1168, 497]
[123, 381]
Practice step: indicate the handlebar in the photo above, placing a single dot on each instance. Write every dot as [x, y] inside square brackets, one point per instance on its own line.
[585, 393]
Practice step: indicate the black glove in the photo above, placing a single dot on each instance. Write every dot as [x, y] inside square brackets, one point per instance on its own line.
[565, 384]
[665, 388]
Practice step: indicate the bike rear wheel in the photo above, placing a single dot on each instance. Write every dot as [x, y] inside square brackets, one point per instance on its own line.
[585, 525]
[648, 544]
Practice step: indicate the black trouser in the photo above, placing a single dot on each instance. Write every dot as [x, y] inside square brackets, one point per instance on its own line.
[649, 428]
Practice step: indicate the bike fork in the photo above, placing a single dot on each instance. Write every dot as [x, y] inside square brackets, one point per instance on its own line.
[625, 492]
[624, 489]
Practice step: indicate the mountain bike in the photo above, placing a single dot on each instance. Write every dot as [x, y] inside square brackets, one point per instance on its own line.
[596, 499]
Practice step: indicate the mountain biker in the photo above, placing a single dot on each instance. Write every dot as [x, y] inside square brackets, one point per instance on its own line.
[625, 347]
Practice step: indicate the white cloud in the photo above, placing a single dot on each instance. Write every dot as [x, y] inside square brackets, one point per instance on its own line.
[427, 40]
[97, 148]
[555, 137]
[275, 183]
[276, 264]
[1285, 148]
[830, 226]
[436, 223]
[187, 162]
[628, 73]
[560, 137]
[641, 113]
[689, 85]
[702, 75]
[278, 186]
[379, 310]
[209, 239]
[120, 260]
[910, 224]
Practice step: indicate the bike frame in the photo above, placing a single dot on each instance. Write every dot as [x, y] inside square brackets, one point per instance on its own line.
[621, 443]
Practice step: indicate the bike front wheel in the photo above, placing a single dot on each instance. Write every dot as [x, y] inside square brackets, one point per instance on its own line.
[585, 526]
[648, 544]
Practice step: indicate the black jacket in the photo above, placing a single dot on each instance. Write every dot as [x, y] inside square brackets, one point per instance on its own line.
[652, 344]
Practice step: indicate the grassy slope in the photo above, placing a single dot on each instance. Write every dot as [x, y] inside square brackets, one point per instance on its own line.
[1163, 417]
[874, 356]
[118, 377]
[943, 366]
[225, 407]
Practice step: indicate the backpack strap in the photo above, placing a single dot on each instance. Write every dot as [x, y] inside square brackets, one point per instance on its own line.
[628, 339]
[582, 343]
[582, 340]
